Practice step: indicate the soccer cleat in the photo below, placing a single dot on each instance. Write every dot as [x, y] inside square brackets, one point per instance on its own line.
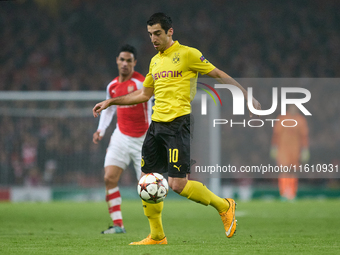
[148, 240]
[114, 230]
[228, 218]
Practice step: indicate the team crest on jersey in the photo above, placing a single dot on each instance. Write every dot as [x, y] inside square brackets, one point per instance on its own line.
[130, 88]
[175, 59]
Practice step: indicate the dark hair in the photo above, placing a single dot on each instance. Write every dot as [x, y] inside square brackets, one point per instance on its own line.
[128, 48]
[162, 19]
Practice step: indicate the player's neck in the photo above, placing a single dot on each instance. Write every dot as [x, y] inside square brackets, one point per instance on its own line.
[123, 78]
[170, 44]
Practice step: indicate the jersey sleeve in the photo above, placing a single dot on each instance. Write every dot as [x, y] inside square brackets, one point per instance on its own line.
[105, 119]
[106, 115]
[198, 63]
[149, 82]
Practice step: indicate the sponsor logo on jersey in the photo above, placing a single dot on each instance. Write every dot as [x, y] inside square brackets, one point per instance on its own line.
[165, 74]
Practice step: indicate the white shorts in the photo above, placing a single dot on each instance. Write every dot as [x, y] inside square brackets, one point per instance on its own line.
[122, 149]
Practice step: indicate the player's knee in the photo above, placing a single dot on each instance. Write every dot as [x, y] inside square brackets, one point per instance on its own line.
[176, 186]
[110, 179]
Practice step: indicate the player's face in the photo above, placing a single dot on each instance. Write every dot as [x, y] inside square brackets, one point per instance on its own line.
[126, 63]
[160, 40]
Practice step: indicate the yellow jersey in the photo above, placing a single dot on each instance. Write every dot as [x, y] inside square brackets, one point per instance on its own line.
[170, 74]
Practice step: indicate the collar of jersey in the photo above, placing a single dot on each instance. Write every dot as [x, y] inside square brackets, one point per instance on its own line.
[171, 48]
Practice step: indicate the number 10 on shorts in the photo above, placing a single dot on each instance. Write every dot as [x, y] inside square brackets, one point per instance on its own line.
[173, 155]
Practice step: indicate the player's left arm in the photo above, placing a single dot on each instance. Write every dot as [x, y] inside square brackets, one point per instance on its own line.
[224, 78]
[138, 96]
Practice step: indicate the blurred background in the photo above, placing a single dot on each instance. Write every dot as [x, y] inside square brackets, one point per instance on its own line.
[71, 45]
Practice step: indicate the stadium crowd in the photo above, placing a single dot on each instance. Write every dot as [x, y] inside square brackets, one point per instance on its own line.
[70, 46]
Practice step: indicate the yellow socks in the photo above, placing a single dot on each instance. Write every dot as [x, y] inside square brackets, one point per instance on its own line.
[194, 191]
[154, 214]
[199, 193]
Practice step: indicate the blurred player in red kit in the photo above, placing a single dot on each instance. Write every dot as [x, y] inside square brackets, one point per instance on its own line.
[127, 139]
[290, 147]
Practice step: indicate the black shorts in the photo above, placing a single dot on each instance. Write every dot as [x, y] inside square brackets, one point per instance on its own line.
[166, 147]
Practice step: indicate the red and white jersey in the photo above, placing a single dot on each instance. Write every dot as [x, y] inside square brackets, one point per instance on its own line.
[132, 120]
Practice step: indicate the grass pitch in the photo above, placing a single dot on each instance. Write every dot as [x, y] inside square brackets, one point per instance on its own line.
[302, 227]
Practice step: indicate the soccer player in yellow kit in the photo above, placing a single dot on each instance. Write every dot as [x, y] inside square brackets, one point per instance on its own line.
[167, 144]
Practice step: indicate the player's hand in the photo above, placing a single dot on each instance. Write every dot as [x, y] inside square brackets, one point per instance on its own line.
[305, 155]
[256, 105]
[96, 137]
[99, 107]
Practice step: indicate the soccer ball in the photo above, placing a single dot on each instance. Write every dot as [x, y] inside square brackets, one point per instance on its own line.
[152, 188]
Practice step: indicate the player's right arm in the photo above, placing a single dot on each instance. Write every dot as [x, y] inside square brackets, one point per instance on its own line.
[139, 96]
